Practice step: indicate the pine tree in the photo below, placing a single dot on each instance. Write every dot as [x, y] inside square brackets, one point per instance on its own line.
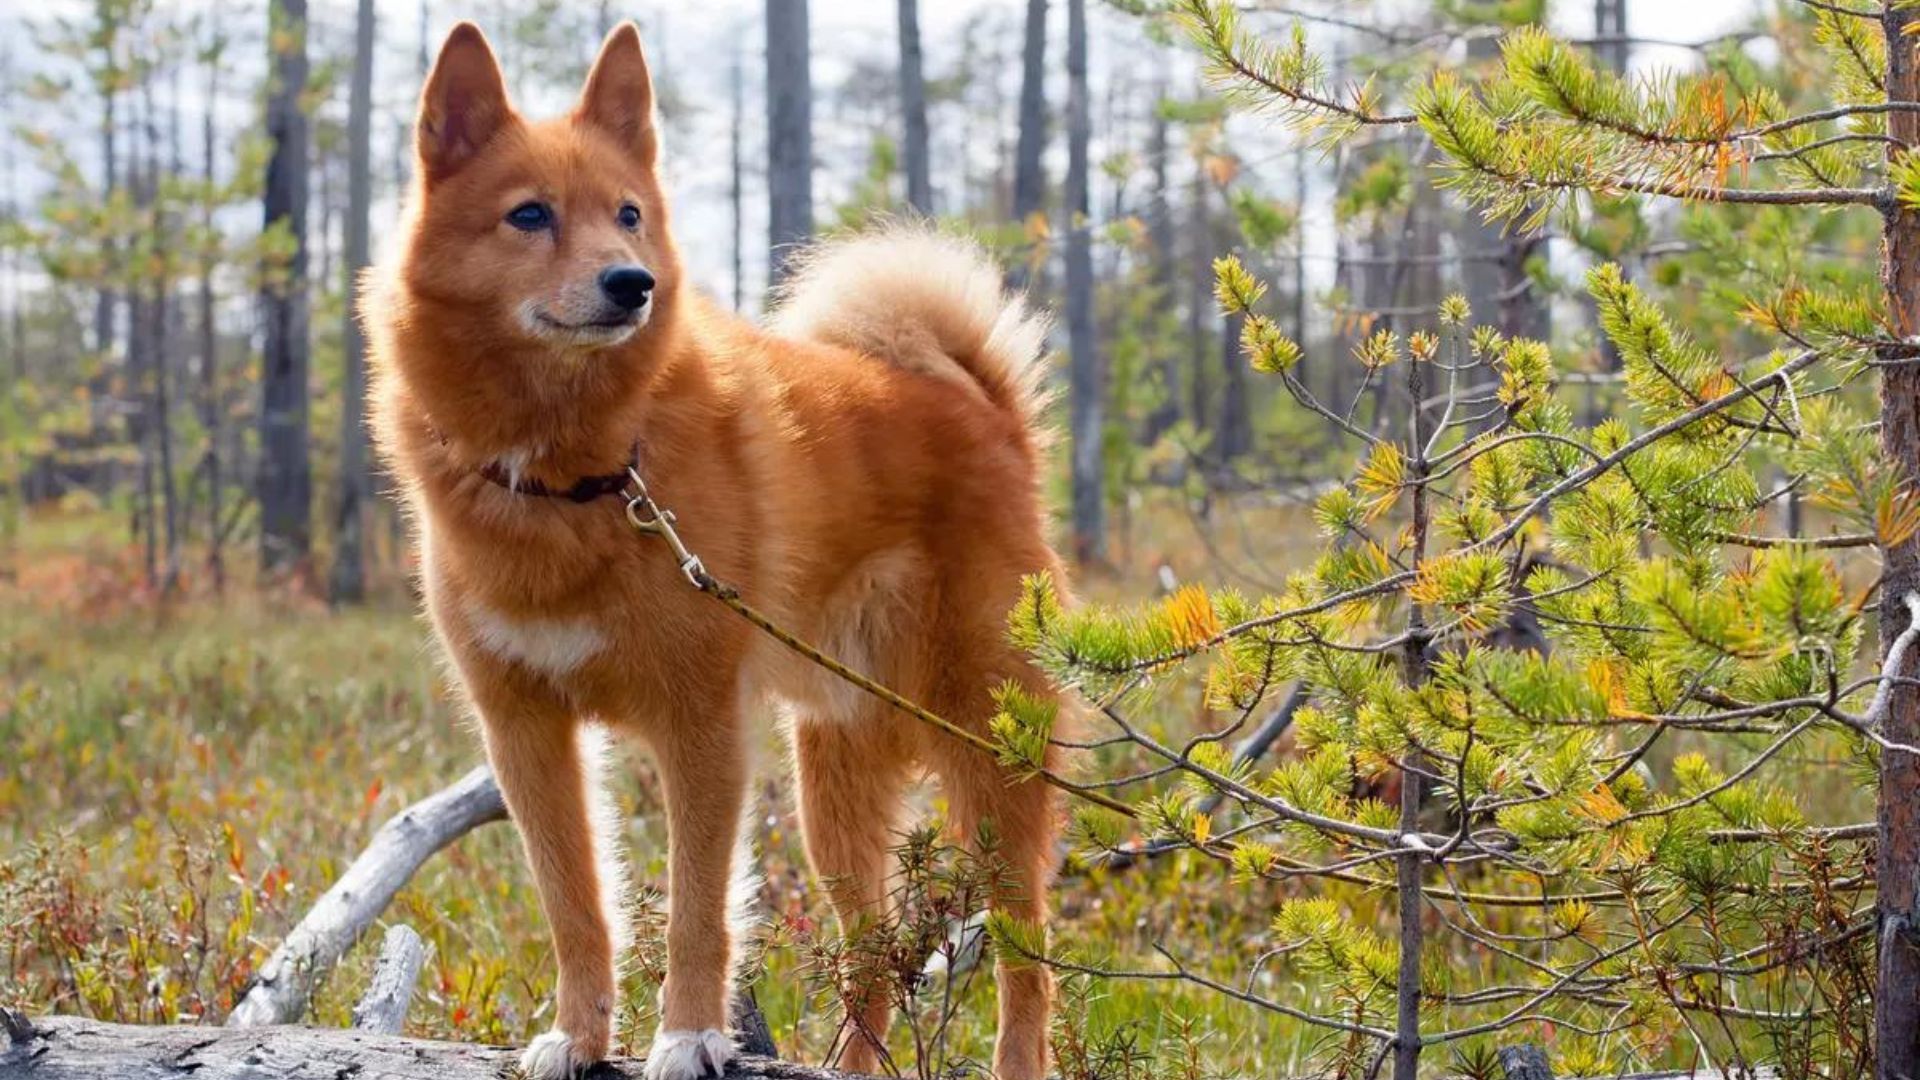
[1581, 827]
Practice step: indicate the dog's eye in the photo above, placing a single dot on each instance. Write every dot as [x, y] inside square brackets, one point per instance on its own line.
[629, 217]
[530, 216]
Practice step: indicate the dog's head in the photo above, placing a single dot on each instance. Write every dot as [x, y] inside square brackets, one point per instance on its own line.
[551, 233]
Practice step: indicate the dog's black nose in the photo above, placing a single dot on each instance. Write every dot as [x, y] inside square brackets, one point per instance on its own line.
[627, 286]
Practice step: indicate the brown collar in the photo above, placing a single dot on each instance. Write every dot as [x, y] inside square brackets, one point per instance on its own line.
[584, 490]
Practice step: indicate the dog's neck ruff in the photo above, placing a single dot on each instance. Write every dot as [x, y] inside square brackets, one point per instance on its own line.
[584, 490]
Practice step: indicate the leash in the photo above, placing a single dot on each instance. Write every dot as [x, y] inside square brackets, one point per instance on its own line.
[649, 518]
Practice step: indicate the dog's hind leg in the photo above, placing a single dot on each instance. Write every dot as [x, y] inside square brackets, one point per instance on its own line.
[852, 772]
[540, 757]
[1023, 819]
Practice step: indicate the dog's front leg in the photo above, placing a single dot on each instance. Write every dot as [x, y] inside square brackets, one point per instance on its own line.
[540, 756]
[703, 766]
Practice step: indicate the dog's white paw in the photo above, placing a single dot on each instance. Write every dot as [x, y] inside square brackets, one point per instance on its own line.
[554, 1056]
[689, 1055]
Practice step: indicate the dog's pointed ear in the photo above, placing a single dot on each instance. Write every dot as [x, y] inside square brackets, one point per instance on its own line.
[618, 98]
[463, 105]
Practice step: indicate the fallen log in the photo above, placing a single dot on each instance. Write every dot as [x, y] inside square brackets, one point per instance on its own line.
[74, 1048]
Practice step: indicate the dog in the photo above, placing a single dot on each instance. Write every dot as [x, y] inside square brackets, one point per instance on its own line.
[865, 468]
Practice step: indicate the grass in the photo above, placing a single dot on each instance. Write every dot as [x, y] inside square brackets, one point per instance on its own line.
[183, 779]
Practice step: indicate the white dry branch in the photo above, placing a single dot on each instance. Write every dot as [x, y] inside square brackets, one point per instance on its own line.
[383, 1008]
[346, 910]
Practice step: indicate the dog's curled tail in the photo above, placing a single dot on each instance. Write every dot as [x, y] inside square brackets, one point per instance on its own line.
[924, 300]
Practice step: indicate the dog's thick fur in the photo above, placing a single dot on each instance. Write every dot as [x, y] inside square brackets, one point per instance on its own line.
[865, 470]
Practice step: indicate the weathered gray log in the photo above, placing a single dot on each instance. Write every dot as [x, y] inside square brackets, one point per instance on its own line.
[345, 911]
[1524, 1061]
[72, 1048]
[383, 1008]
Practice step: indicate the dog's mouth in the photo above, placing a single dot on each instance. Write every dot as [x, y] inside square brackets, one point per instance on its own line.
[607, 330]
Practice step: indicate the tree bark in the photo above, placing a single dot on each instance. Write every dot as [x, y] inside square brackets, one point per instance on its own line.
[1416, 667]
[1236, 410]
[1029, 173]
[1086, 392]
[348, 583]
[74, 1048]
[1200, 304]
[1493, 261]
[789, 135]
[1166, 265]
[913, 110]
[736, 187]
[1897, 903]
[212, 408]
[285, 480]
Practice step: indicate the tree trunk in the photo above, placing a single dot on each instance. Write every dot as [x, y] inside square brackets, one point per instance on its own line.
[105, 303]
[1166, 262]
[1200, 301]
[1493, 262]
[285, 479]
[737, 185]
[1897, 904]
[1236, 411]
[1610, 33]
[212, 408]
[913, 110]
[1086, 394]
[1029, 177]
[348, 583]
[789, 135]
[1416, 666]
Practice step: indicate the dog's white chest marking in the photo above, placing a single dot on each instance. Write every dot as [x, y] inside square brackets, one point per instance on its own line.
[552, 647]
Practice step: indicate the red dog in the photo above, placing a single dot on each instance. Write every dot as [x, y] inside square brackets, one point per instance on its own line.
[866, 470]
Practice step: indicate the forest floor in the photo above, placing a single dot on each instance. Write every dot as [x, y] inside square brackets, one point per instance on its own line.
[183, 777]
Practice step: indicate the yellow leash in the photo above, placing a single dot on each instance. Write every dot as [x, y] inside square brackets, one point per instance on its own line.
[650, 519]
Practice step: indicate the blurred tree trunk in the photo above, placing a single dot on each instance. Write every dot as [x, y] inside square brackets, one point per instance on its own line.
[913, 110]
[1029, 175]
[348, 582]
[166, 243]
[1200, 299]
[789, 135]
[1166, 260]
[1086, 393]
[1610, 33]
[105, 304]
[736, 185]
[1236, 411]
[285, 477]
[1493, 262]
[1610, 37]
[212, 408]
[141, 339]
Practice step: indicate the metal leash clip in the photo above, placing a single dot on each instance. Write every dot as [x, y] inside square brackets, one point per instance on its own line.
[659, 522]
